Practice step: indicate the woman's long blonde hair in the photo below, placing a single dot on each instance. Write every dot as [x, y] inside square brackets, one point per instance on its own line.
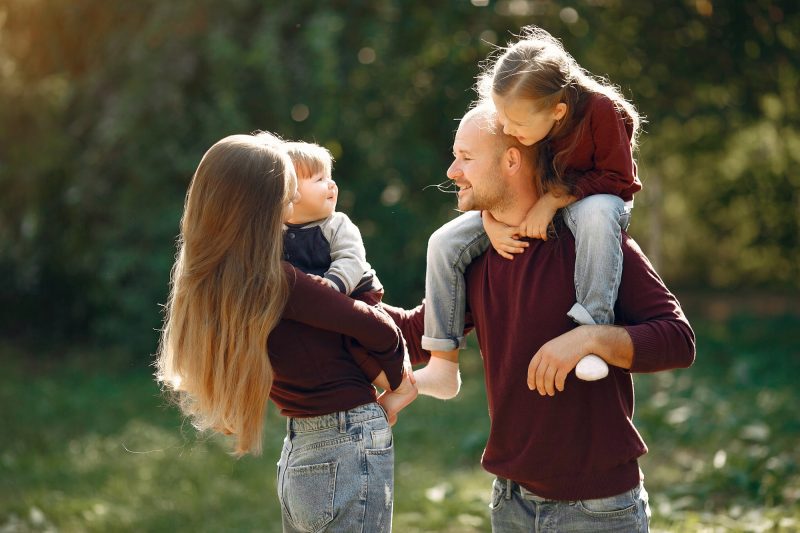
[228, 288]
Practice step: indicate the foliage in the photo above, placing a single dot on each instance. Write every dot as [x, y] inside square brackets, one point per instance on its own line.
[108, 106]
[96, 448]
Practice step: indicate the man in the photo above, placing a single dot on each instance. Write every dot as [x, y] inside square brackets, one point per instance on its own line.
[564, 450]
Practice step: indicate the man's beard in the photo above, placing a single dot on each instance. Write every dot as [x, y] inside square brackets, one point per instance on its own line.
[492, 197]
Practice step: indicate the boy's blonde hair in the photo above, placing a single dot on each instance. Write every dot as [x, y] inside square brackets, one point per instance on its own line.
[309, 159]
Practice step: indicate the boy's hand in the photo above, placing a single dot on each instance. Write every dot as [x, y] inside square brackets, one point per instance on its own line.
[504, 238]
[325, 281]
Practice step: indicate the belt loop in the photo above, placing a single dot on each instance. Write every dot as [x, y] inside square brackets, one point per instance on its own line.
[342, 422]
[289, 427]
[509, 488]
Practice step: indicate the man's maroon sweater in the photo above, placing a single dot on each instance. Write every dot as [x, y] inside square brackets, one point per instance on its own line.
[580, 443]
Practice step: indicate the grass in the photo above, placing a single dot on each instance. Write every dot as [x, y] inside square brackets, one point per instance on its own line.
[88, 444]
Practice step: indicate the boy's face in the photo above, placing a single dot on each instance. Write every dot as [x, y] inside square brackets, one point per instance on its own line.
[318, 195]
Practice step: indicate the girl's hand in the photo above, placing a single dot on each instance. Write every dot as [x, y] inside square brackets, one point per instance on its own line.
[538, 219]
[504, 239]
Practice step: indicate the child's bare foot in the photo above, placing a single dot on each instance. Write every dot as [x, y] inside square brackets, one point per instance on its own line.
[439, 378]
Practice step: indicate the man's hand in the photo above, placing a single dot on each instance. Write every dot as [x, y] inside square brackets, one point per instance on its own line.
[504, 239]
[548, 370]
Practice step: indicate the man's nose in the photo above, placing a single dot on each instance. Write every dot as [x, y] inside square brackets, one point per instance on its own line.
[453, 170]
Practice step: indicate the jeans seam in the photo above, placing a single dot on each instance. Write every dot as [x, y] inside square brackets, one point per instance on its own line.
[459, 290]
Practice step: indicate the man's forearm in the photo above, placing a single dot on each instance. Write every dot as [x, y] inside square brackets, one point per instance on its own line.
[612, 343]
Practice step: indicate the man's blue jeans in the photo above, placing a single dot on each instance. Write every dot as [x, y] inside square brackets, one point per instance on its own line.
[336, 472]
[515, 509]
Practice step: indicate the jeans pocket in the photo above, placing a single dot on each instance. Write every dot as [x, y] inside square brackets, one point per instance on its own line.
[614, 506]
[381, 439]
[498, 495]
[308, 495]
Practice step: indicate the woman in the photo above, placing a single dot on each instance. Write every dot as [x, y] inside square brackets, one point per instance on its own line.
[242, 326]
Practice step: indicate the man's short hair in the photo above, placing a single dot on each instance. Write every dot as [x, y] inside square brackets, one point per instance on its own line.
[485, 114]
[309, 159]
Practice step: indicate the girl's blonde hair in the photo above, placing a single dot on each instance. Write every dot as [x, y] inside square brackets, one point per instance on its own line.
[537, 67]
[228, 288]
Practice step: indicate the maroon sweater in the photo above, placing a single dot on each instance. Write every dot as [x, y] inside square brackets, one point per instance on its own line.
[602, 161]
[580, 443]
[314, 371]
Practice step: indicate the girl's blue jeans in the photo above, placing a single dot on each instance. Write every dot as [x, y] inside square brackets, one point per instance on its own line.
[596, 222]
[336, 472]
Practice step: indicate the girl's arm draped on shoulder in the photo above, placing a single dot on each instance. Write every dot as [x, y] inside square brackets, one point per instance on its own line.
[614, 170]
[313, 303]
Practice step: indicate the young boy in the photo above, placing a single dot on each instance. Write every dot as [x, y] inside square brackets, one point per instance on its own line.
[324, 242]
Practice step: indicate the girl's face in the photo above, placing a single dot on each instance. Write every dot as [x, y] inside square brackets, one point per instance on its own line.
[523, 119]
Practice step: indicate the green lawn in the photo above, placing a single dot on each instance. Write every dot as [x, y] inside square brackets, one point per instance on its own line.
[88, 444]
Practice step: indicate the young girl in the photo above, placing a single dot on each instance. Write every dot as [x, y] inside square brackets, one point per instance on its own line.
[242, 325]
[584, 131]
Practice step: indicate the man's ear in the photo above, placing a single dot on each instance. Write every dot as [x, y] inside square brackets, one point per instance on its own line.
[512, 160]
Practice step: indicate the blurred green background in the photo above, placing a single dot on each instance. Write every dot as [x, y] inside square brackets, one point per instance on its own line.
[107, 106]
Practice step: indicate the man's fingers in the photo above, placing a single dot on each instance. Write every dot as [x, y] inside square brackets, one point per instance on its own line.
[549, 381]
[561, 379]
[540, 372]
[534, 364]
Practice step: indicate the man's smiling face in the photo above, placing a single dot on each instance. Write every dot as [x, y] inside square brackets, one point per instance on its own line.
[476, 166]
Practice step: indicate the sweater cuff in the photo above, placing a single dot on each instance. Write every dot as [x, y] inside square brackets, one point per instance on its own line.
[339, 283]
[646, 349]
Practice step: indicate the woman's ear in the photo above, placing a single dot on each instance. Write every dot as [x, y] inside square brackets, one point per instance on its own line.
[560, 111]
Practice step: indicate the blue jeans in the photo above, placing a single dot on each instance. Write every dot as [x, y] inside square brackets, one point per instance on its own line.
[451, 249]
[515, 509]
[596, 222]
[336, 472]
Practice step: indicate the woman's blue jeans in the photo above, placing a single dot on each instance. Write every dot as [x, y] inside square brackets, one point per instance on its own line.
[596, 222]
[336, 472]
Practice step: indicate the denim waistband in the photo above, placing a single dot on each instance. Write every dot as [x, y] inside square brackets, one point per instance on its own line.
[340, 419]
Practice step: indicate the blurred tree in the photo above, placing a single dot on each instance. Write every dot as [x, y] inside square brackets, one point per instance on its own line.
[108, 107]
